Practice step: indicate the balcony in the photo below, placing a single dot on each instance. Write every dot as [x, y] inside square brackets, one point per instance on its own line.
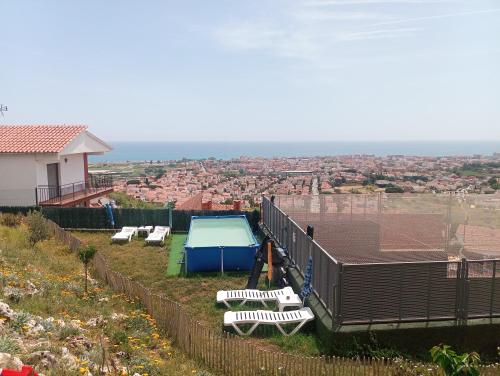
[74, 193]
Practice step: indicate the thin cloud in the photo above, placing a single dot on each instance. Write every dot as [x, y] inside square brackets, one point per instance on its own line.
[367, 2]
[378, 34]
[328, 15]
[434, 17]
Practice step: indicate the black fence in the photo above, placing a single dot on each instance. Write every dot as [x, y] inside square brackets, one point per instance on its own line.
[389, 292]
[97, 218]
[18, 209]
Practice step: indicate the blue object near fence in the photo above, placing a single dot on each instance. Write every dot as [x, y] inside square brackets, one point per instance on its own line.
[109, 211]
[307, 287]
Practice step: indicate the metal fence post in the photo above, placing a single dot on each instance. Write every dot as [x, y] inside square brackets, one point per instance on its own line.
[493, 277]
[337, 298]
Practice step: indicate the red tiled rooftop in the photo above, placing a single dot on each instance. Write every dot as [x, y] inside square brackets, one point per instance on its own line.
[37, 138]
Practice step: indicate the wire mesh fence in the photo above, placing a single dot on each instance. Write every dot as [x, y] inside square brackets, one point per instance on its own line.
[394, 258]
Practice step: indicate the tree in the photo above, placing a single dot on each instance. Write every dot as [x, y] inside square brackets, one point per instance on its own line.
[86, 255]
[454, 364]
[394, 189]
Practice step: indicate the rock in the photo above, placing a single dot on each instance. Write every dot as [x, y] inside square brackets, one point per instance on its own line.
[30, 288]
[79, 342]
[44, 359]
[122, 355]
[34, 329]
[6, 311]
[118, 316]
[9, 361]
[96, 321]
[68, 360]
[105, 299]
[13, 293]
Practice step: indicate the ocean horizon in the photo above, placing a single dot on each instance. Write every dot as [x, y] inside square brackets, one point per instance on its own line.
[169, 150]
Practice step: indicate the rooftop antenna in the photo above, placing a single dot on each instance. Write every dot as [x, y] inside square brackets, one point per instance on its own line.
[2, 109]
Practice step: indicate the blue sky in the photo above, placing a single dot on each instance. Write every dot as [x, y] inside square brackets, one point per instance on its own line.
[255, 70]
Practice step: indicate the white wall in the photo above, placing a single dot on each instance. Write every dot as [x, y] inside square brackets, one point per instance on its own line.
[72, 171]
[17, 179]
[20, 174]
[42, 160]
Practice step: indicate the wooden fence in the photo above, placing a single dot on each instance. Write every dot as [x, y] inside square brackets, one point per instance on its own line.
[226, 353]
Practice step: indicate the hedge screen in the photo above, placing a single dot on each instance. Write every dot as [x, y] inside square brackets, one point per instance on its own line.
[97, 218]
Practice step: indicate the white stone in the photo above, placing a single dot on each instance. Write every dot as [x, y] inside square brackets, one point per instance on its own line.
[6, 311]
[9, 361]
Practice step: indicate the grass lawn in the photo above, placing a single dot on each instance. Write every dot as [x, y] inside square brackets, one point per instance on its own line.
[152, 267]
[175, 254]
[106, 322]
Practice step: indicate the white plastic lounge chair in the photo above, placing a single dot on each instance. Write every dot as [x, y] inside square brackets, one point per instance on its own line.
[144, 230]
[125, 234]
[158, 235]
[250, 295]
[278, 319]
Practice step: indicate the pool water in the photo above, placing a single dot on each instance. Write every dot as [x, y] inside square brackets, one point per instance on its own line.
[220, 232]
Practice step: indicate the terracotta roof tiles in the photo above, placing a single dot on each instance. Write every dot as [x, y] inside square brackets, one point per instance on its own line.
[37, 138]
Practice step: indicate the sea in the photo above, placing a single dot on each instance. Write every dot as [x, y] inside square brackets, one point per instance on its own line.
[170, 151]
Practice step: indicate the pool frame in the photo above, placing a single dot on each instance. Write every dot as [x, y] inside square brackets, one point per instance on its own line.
[219, 258]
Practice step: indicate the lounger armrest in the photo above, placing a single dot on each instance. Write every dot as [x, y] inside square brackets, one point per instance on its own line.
[229, 318]
[306, 312]
[221, 296]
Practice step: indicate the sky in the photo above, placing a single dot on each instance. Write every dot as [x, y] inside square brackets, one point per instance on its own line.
[270, 70]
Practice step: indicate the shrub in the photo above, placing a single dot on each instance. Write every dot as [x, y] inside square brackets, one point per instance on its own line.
[8, 345]
[454, 364]
[20, 320]
[145, 366]
[10, 220]
[68, 331]
[37, 227]
[119, 337]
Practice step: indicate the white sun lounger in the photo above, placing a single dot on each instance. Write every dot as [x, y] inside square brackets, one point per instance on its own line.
[158, 235]
[125, 234]
[250, 295]
[278, 319]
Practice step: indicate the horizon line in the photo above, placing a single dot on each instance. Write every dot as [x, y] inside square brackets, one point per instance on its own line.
[308, 141]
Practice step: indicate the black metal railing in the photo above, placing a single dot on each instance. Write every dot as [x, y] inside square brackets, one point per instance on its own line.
[57, 194]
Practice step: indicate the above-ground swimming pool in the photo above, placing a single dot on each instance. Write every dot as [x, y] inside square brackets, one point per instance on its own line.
[219, 244]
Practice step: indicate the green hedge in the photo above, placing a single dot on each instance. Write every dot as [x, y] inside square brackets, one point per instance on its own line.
[18, 209]
[97, 218]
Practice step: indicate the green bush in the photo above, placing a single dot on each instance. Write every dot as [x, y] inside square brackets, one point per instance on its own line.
[37, 227]
[454, 364]
[68, 331]
[10, 219]
[8, 345]
[20, 320]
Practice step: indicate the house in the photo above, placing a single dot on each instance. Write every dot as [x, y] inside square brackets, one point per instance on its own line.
[47, 165]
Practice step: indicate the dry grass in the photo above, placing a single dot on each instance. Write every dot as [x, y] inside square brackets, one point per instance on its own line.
[58, 274]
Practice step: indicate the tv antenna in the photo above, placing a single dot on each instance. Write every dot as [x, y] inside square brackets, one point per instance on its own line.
[2, 109]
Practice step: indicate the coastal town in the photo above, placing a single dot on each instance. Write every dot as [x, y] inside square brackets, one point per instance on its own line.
[241, 182]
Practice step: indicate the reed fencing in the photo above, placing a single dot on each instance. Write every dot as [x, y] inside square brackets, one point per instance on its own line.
[229, 354]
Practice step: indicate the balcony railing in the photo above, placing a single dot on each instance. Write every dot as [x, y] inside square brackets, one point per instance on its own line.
[73, 192]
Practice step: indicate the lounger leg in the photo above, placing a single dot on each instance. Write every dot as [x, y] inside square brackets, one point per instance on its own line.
[281, 329]
[295, 330]
[243, 303]
[250, 331]
[227, 304]
[264, 303]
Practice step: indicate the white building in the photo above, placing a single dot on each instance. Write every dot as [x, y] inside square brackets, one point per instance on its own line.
[47, 165]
